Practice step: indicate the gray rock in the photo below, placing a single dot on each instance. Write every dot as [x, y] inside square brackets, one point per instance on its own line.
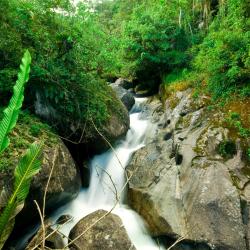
[75, 128]
[54, 239]
[194, 197]
[124, 95]
[246, 210]
[113, 129]
[64, 184]
[64, 219]
[116, 127]
[124, 83]
[108, 233]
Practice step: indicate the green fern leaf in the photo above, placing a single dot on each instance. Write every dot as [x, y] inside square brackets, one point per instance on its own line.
[5, 218]
[26, 169]
[11, 112]
[28, 166]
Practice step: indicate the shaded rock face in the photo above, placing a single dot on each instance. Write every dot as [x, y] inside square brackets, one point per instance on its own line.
[142, 91]
[108, 233]
[123, 83]
[54, 239]
[74, 128]
[124, 95]
[115, 128]
[64, 184]
[183, 187]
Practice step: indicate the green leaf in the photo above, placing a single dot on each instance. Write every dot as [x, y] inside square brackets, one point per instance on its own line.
[28, 166]
[26, 169]
[12, 111]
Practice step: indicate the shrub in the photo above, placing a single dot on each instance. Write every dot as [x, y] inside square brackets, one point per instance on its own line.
[224, 53]
[227, 148]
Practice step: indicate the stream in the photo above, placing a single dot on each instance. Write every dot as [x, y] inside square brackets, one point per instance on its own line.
[108, 180]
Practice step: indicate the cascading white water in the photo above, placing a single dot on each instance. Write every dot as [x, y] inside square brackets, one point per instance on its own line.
[108, 180]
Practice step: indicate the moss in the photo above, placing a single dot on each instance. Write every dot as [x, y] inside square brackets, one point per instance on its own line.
[246, 171]
[27, 130]
[241, 107]
[237, 115]
[115, 106]
[235, 180]
[227, 148]
[168, 91]
[173, 101]
[183, 122]
[198, 162]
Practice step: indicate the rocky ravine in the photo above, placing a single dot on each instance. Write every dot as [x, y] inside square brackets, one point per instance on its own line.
[183, 187]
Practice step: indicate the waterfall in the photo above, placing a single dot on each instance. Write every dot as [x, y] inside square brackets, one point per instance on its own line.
[108, 182]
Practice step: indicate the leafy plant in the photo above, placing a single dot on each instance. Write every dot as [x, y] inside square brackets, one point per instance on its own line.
[35, 129]
[227, 148]
[12, 111]
[224, 53]
[28, 166]
[234, 120]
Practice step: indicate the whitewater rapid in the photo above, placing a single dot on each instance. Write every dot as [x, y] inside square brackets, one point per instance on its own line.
[108, 182]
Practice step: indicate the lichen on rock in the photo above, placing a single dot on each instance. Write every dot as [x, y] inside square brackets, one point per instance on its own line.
[195, 198]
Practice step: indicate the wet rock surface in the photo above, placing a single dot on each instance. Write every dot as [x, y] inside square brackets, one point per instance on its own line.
[107, 233]
[54, 240]
[123, 83]
[124, 95]
[81, 132]
[183, 187]
[64, 183]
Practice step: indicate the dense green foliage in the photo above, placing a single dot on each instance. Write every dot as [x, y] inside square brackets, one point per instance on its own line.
[153, 44]
[225, 52]
[12, 111]
[70, 56]
[28, 166]
[159, 38]
[76, 50]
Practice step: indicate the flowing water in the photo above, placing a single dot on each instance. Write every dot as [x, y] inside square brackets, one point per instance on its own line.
[107, 185]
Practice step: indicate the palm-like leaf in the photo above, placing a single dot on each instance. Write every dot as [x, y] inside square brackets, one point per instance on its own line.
[29, 164]
[26, 169]
[12, 111]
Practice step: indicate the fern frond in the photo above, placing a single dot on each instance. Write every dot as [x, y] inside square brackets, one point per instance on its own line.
[28, 166]
[5, 218]
[8, 227]
[12, 111]
[25, 170]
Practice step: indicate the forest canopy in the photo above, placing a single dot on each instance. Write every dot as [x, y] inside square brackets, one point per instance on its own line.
[77, 49]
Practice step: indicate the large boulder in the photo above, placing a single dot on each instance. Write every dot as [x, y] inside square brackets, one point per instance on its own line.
[180, 183]
[65, 180]
[124, 95]
[107, 233]
[88, 119]
[64, 185]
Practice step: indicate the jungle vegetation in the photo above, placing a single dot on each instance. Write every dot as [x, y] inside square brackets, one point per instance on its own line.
[77, 49]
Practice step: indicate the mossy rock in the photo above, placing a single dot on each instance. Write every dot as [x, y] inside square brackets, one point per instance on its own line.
[65, 179]
[27, 130]
[79, 114]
